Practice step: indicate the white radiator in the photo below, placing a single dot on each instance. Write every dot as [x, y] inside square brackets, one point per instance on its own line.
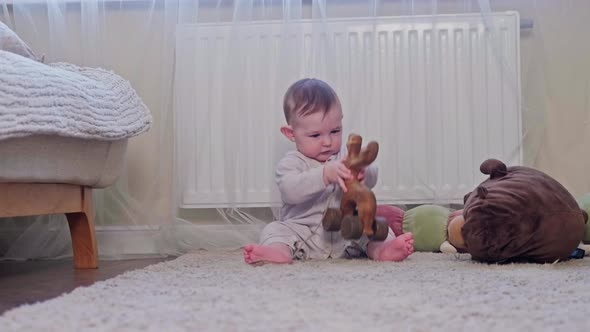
[439, 93]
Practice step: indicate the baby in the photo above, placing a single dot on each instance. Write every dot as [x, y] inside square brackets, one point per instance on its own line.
[310, 179]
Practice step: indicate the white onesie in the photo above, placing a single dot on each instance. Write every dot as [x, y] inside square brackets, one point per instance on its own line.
[305, 198]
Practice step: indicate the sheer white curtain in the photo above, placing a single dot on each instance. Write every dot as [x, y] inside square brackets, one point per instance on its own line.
[141, 213]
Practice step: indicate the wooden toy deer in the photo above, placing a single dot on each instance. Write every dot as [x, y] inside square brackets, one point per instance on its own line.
[356, 215]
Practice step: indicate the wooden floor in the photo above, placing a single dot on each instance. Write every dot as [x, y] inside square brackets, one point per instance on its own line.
[33, 281]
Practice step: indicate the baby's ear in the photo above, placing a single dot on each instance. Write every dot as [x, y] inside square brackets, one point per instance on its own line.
[287, 131]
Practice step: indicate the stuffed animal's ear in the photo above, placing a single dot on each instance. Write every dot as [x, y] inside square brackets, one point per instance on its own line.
[494, 167]
[482, 191]
[466, 197]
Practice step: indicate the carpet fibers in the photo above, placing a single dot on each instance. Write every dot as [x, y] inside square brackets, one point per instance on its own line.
[217, 291]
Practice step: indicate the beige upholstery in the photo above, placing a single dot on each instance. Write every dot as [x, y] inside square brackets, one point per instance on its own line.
[56, 159]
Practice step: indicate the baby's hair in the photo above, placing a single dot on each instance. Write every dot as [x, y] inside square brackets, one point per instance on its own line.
[308, 96]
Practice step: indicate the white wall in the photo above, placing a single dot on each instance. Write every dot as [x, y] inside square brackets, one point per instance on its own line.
[555, 72]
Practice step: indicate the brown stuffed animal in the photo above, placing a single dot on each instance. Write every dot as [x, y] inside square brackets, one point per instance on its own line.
[519, 214]
[356, 215]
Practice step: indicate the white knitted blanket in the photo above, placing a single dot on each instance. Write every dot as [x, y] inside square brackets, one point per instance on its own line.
[67, 100]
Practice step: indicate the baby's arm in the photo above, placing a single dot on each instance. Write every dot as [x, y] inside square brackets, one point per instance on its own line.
[296, 183]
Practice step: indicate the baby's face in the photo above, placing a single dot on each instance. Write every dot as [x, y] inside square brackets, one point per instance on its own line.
[318, 135]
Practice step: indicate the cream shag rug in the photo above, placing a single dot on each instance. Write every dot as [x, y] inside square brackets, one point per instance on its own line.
[216, 291]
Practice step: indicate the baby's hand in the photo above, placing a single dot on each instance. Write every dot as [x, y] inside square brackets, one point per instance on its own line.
[335, 172]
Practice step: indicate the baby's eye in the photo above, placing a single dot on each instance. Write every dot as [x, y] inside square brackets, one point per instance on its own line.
[336, 131]
[314, 135]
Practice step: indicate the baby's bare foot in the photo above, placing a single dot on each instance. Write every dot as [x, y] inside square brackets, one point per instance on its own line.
[275, 253]
[397, 249]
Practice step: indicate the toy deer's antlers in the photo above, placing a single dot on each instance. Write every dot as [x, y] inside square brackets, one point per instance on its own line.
[358, 159]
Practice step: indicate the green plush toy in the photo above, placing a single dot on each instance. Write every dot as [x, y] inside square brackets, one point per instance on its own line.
[428, 224]
[584, 203]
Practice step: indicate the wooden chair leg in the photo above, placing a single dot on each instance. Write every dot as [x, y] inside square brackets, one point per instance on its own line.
[28, 199]
[83, 233]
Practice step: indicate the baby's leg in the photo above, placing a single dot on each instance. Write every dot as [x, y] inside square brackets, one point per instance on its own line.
[276, 245]
[393, 250]
[277, 253]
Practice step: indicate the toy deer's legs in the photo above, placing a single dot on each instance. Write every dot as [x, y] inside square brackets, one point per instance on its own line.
[366, 209]
[351, 224]
[347, 205]
[332, 220]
